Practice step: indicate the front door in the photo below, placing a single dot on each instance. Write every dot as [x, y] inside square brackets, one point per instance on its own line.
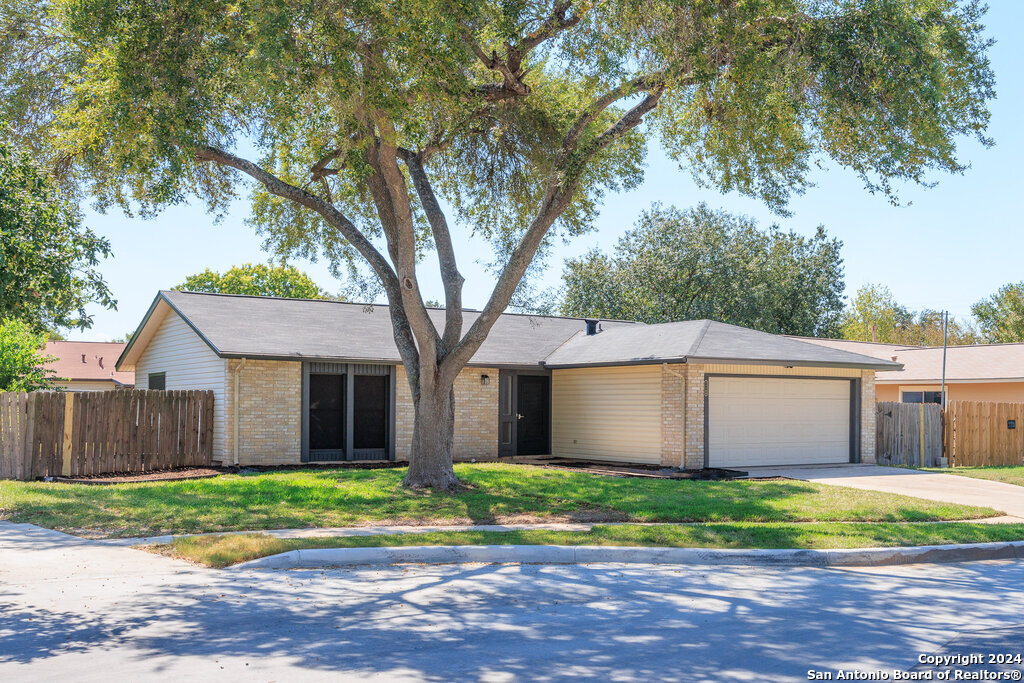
[533, 401]
[524, 413]
[506, 413]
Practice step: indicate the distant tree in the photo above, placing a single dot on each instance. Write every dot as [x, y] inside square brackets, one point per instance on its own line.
[874, 313]
[258, 280]
[22, 358]
[48, 260]
[700, 263]
[1001, 316]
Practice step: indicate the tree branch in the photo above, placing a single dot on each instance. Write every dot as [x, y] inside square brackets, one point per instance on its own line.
[599, 105]
[450, 275]
[511, 66]
[390, 194]
[561, 189]
[403, 331]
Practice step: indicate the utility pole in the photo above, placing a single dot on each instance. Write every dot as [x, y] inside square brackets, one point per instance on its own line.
[945, 329]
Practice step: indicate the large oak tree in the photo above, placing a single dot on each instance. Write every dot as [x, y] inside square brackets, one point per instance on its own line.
[359, 121]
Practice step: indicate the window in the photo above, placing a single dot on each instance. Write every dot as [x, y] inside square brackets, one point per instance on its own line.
[922, 397]
[157, 380]
[327, 412]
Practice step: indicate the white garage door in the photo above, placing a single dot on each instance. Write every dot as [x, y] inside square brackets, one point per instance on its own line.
[772, 421]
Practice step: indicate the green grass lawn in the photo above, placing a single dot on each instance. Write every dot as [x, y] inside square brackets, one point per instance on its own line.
[496, 493]
[221, 551]
[1008, 475]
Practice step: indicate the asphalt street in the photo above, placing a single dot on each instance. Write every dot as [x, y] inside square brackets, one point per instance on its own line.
[80, 611]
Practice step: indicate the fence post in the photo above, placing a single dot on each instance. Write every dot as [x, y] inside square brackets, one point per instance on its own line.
[69, 415]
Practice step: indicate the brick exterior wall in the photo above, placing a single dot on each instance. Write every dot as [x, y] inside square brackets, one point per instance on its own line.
[867, 416]
[476, 415]
[693, 453]
[673, 386]
[270, 412]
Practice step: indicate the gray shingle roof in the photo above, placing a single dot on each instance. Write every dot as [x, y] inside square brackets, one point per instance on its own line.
[700, 341]
[267, 327]
[301, 328]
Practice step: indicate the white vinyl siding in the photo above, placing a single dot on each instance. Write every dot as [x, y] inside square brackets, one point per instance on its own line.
[773, 421]
[607, 413]
[189, 363]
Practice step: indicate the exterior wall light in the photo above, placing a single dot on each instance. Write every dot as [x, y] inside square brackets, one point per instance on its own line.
[485, 379]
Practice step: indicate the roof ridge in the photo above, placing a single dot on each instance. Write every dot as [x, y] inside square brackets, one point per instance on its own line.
[555, 350]
[364, 303]
[700, 337]
[857, 341]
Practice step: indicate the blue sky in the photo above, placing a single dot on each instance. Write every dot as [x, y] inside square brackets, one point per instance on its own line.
[951, 246]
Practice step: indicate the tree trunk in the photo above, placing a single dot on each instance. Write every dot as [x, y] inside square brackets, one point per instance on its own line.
[430, 462]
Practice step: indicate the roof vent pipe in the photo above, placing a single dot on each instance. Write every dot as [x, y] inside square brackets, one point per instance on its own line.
[593, 327]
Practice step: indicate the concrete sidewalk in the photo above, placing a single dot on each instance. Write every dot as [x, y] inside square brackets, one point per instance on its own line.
[948, 488]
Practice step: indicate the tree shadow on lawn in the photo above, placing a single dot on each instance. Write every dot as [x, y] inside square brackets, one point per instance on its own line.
[532, 622]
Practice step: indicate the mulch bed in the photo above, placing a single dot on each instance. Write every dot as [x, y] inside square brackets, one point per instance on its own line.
[624, 469]
[176, 474]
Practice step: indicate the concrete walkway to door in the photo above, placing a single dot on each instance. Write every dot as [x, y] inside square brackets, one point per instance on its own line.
[948, 488]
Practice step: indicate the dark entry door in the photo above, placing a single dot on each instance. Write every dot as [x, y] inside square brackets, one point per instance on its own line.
[533, 403]
[506, 413]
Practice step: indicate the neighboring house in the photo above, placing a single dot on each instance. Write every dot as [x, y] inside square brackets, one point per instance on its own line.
[87, 366]
[981, 372]
[319, 381]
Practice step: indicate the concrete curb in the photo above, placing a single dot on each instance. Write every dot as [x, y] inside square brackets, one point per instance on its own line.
[560, 554]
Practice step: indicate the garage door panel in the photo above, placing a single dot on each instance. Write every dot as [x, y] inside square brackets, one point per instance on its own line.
[777, 421]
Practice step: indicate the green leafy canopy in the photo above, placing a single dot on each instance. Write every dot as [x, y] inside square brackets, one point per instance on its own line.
[755, 92]
[48, 260]
[1001, 315]
[699, 263]
[874, 314]
[22, 359]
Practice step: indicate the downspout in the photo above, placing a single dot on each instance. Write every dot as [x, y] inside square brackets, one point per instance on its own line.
[234, 407]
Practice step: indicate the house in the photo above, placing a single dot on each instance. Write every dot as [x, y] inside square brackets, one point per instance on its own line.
[979, 372]
[87, 366]
[319, 381]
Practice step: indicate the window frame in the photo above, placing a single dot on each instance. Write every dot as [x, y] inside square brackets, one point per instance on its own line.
[163, 379]
[924, 392]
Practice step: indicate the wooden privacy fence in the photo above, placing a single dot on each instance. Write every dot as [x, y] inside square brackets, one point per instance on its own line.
[985, 433]
[908, 434]
[48, 433]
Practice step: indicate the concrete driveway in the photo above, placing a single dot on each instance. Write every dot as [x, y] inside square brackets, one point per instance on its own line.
[949, 488]
[73, 610]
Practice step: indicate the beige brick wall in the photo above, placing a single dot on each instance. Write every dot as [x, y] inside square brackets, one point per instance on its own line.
[269, 409]
[693, 453]
[673, 386]
[476, 414]
[867, 416]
